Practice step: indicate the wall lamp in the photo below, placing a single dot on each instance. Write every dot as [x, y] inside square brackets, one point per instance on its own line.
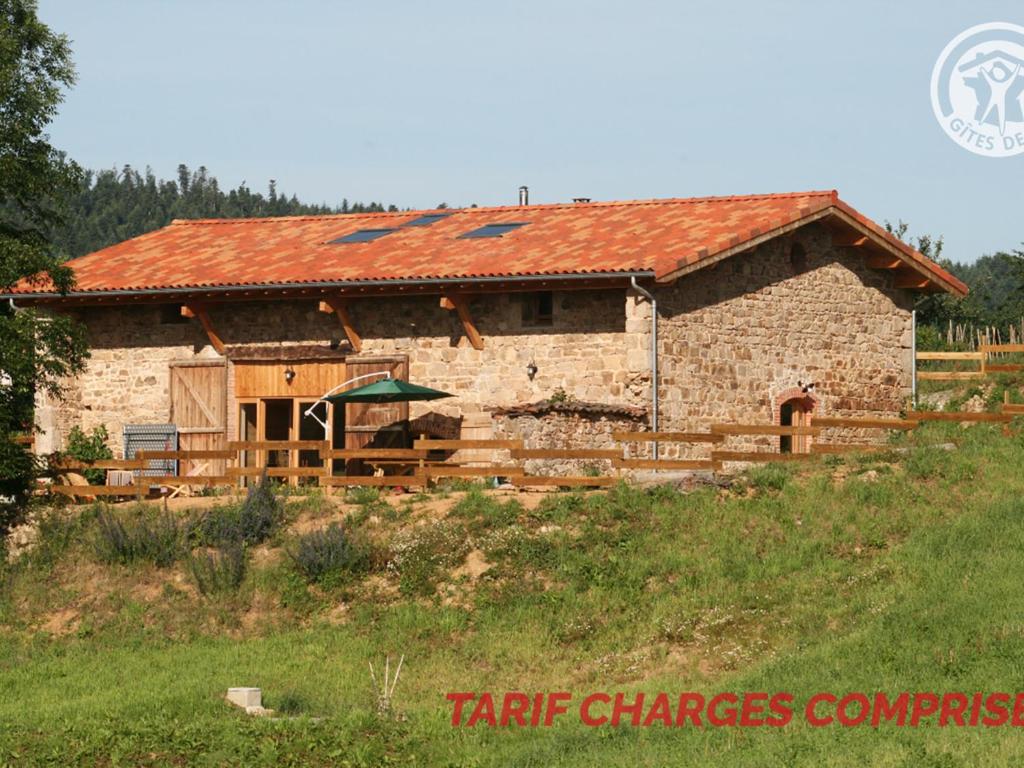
[531, 370]
[289, 375]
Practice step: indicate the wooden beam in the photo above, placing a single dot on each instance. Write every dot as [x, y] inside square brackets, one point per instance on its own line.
[754, 456]
[849, 240]
[383, 480]
[961, 417]
[834, 448]
[198, 311]
[949, 375]
[856, 422]
[667, 437]
[372, 453]
[568, 453]
[911, 280]
[950, 355]
[461, 305]
[989, 348]
[665, 464]
[99, 490]
[340, 308]
[461, 445]
[448, 470]
[763, 429]
[883, 261]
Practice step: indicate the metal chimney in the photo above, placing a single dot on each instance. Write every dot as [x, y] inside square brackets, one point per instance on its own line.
[524, 196]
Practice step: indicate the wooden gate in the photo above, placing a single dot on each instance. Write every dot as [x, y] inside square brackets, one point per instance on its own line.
[199, 409]
[376, 425]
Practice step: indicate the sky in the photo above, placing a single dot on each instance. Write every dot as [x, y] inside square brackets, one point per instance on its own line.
[418, 103]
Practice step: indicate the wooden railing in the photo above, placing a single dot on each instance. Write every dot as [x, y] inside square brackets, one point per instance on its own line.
[983, 357]
[418, 466]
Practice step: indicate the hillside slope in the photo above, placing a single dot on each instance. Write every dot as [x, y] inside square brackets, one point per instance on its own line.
[895, 571]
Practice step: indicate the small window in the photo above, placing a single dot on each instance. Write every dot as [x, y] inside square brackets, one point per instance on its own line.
[538, 309]
[798, 258]
[493, 230]
[363, 236]
[170, 314]
[426, 219]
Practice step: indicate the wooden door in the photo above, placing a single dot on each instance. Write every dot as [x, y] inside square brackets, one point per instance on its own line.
[794, 413]
[199, 409]
[376, 425]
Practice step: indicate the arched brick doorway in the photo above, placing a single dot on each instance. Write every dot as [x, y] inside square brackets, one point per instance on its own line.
[794, 409]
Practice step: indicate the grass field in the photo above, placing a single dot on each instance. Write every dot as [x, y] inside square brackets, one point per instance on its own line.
[890, 572]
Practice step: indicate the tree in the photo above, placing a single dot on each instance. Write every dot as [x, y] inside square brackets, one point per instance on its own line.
[36, 351]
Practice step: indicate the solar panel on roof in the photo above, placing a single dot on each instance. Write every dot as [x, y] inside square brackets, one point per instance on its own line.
[493, 230]
[363, 236]
[426, 219]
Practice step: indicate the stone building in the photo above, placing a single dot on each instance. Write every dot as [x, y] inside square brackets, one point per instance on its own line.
[770, 309]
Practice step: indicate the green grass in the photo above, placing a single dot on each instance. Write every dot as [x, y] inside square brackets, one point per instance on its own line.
[876, 573]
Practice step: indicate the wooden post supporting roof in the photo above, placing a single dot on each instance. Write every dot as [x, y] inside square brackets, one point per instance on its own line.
[461, 305]
[198, 311]
[340, 308]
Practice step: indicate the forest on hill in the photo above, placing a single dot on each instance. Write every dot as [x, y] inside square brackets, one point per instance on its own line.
[996, 299]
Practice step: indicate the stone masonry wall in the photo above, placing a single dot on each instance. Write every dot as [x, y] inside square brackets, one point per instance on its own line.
[588, 351]
[566, 430]
[736, 338]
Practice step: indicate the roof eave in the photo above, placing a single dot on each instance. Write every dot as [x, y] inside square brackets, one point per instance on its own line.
[938, 278]
[397, 286]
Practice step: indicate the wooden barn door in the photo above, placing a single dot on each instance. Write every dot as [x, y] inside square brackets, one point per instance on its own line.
[376, 425]
[199, 409]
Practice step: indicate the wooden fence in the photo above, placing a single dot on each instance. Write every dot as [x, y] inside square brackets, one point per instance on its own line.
[984, 358]
[429, 460]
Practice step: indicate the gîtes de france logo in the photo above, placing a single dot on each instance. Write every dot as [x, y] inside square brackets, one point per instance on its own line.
[977, 86]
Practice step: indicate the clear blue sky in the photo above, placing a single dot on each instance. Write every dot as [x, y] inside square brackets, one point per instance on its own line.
[415, 103]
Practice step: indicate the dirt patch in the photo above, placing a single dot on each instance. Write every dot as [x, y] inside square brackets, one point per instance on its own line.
[308, 522]
[61, 622]
[475, 565]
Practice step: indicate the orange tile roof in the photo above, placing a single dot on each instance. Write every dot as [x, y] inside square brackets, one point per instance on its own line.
[653, 236]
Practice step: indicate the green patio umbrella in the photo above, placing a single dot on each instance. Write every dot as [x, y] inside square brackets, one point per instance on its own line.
[387, 391]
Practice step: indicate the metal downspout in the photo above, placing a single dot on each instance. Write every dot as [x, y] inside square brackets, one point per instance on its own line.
[654, 358]
[913, 357]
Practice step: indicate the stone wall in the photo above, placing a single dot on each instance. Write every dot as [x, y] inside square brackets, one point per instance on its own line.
[587, 352]
[736, 338]
[576, 427]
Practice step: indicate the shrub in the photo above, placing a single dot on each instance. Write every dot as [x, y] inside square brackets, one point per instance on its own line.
[91, 447]
[218, 571]
[156, 540]
[252, 522]
[323, 556]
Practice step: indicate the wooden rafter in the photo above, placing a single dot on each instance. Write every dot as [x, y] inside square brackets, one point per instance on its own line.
[849, 240]
[198, 311]
[883, 261]
[461, 305]
[911, 280]
[340, 308]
